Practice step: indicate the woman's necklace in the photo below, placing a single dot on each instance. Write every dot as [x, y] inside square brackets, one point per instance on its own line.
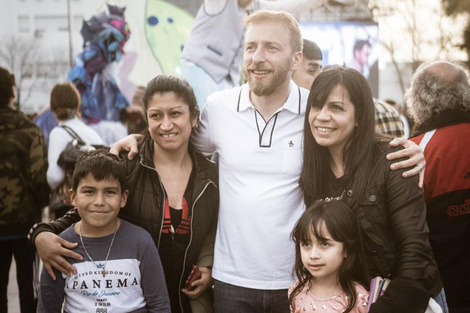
[107, 255]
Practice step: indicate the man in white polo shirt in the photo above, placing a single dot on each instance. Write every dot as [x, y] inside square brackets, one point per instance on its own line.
[256, 129]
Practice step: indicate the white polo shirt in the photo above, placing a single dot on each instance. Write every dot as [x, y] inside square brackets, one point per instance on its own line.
[260, 197]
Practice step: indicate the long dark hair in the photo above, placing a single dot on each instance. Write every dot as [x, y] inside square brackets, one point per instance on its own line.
[340, 222]
[358, 151]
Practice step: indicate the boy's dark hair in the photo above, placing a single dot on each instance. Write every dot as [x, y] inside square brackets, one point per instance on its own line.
[340, 221]
[311, 51]
[7, 82]
[102, 165]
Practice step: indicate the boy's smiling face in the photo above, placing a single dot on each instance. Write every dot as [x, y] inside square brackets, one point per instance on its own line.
[98, 204]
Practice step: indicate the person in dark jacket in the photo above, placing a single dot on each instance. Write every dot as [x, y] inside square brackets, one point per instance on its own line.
[439, 101]
[172, 194]
[343, 157]
[23, 193]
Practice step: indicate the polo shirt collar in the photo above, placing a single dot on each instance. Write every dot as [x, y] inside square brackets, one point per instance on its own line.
[293, 102]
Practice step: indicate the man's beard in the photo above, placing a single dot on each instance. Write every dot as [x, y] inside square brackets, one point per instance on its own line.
[269, 86]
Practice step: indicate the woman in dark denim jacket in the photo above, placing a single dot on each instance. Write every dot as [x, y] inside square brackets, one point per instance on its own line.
[343, 156]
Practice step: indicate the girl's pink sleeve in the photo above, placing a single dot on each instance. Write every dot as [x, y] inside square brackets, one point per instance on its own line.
[290, 290]
[362, 299]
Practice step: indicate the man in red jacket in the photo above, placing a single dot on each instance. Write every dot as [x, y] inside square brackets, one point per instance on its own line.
[439, 102]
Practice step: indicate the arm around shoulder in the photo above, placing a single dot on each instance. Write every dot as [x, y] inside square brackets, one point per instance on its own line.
[413, 161]
[56, 226]
[51, 248]
[128, 143]
[201, 135]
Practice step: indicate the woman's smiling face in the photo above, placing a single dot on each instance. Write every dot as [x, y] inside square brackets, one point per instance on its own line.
[169, 121]
[334, 122]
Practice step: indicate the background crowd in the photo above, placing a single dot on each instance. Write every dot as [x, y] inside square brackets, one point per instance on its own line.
[306, 179]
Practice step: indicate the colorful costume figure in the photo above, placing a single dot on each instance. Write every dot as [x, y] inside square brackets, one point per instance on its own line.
[104, 38]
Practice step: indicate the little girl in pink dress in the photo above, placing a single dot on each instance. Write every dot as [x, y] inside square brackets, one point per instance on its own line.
[307, 302]
[328, 262]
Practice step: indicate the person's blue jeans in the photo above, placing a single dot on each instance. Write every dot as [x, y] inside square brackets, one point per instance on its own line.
[234, 299]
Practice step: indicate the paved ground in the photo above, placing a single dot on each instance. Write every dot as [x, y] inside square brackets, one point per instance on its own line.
[13, 300]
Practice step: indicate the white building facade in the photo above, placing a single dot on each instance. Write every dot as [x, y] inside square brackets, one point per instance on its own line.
[36, 44]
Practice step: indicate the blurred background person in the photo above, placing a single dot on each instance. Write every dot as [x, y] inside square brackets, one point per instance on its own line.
[311, 65]
[23, 193]
[401, 109]
[133, 116]
[439, 102]
[362, 63]
[361, 53]
[65, 103]
[46, 121]
[387, 119]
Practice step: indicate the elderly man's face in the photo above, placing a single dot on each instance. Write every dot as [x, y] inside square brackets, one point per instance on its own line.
[268, 58]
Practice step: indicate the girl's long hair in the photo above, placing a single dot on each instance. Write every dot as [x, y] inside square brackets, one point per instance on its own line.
[358, 151]
[340, 222]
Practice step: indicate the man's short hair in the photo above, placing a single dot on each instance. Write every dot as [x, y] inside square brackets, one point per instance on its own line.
[311, 51]
[360, 43]
[102, 165]
[431, 93]
[7, 82]
[278, 17]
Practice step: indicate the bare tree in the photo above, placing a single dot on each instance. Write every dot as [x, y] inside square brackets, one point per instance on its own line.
[460, 9]
[34, 67]
[417, 32]
[52, 67]
[20, 55]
